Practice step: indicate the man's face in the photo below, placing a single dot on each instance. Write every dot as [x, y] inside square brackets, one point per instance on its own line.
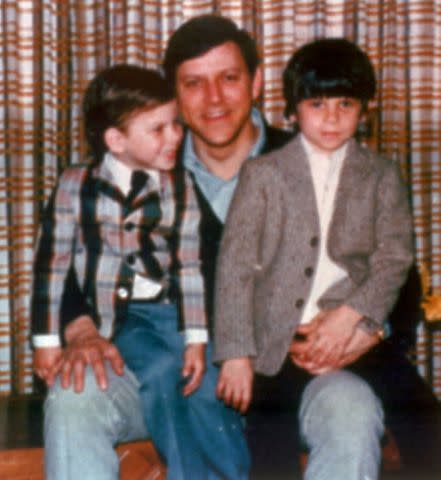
[215, 94]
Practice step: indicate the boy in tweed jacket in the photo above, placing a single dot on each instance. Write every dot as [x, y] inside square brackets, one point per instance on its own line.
[128, 226]
[317, 244]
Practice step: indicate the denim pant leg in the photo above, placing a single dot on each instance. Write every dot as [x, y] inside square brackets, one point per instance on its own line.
[153, 348]
[81, 429]
[341, 421]
[219, 429]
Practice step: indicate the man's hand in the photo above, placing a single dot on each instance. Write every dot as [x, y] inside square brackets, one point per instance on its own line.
[360, 344]
[235, 383]
[85, 346]
[326, 339]
[194, 367]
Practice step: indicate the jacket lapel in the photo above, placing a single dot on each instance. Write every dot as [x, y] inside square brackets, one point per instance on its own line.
[297, 174]
[356, 169]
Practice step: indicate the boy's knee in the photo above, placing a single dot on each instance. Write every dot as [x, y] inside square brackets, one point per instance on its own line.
[341, 401]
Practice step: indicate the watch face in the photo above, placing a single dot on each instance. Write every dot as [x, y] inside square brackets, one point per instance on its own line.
[372, 327]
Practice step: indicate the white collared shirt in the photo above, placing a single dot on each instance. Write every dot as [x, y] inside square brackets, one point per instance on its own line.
[143, 288]
[325, 171]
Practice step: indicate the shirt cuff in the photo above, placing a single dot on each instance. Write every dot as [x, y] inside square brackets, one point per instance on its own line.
[46, 341]
[196, 335]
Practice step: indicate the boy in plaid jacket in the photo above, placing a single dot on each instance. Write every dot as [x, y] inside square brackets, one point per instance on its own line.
[128, 227]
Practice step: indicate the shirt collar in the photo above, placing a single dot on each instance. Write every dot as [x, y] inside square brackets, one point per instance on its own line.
[193, 163]
[121, 173]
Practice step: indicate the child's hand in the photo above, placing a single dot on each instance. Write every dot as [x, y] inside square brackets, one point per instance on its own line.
[235, 383]
[194, 367]
[47, 363]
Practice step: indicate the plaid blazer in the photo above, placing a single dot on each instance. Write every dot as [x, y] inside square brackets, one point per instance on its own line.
[87, 225]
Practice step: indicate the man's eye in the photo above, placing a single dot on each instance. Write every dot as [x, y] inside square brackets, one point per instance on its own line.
[231, 77]
[191, 83]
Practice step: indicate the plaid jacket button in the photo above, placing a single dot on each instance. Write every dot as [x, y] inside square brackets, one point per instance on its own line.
[122, 293]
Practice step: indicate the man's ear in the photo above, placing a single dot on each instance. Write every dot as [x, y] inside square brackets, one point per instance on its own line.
[114, 140]
[257, 83]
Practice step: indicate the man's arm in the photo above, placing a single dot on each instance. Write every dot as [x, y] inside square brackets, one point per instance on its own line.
[319, 347]
[85, 346]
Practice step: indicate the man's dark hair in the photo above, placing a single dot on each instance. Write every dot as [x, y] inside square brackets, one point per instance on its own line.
[332, 67]
[114, 95]
[199, 35]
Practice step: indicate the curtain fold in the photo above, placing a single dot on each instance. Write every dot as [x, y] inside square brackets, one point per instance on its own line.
[50, 49]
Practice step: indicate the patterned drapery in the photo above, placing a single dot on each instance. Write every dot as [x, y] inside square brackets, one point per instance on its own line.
[49, 49]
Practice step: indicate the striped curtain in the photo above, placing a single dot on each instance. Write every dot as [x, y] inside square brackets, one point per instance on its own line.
[49, 50]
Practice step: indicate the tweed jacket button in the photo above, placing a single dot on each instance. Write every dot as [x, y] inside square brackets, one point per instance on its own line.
[300, 302]
[309, 271]
[314, 241]
[122, 293]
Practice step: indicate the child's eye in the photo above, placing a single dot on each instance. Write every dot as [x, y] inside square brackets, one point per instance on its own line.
[347, 103]
[158, 129]
[316, 103]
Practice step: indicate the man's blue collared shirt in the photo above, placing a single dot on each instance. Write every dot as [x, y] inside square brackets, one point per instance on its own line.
[218, 191]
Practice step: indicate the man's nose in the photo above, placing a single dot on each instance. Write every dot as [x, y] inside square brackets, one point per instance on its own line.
[214, 91]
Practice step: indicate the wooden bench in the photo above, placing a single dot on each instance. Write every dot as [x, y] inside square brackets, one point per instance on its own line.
[21, 440]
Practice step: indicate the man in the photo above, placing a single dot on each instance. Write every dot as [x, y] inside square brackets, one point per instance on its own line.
[216, 84]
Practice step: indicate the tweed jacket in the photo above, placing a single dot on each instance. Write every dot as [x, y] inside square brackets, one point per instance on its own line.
[269, 249]
[88, 228]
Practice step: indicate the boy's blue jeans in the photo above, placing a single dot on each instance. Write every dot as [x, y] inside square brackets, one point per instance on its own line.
[199, 437]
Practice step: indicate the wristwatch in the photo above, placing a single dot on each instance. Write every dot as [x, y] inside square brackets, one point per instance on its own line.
[372, 328]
